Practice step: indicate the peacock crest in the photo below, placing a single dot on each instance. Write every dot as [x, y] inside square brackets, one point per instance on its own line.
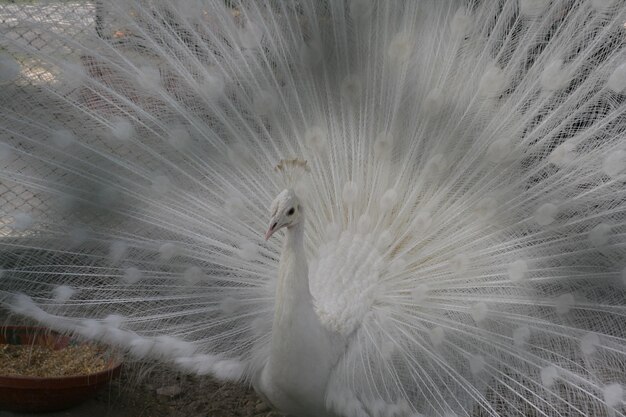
[294, 174]
[292, 171]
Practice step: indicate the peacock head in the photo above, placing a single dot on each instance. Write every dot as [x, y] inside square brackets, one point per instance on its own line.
[286, 212]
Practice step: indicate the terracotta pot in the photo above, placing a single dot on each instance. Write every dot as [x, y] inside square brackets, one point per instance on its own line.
[29, 393]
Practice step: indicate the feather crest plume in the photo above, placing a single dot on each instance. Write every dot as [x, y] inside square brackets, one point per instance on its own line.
[294, 174]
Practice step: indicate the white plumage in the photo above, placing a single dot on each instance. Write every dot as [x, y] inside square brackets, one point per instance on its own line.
[457, 241]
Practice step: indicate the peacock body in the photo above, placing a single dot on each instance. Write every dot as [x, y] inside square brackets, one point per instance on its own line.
[454, 244]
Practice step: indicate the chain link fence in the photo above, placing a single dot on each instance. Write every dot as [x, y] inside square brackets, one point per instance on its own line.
[33, 106]
[30, 30]
[33, 26]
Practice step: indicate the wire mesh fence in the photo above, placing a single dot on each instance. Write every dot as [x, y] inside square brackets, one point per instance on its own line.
[34, 26]
[30, 30]
[57, 43]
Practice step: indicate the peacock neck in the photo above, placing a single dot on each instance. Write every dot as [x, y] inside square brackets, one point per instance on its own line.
[301, 353]
[293, 277]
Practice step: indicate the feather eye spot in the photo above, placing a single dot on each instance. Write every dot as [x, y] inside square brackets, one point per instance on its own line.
[492, 82]
[479, 311]
[401, 47]
[614, 163]
[532, 8]
[613, 394]
[499, 151]
[564, 154]
[132, 275]
[316, 139]
[602, 5]
[22, 221]
[486, 208]
[63, 138]
[459, 263]
[10, 68]
[383, 145]
[436, 335]
[589, 343]
[548, 375]
[122, 129]
[168, 250]
[517, 270]
[349, 193]
[554, 76]
[617, 80]
[600, 235]
[193, 275]
[564, 303]
[389, 199]
[521, 335]
[477, 364]
[545, 214]
[461, 22]
[420, 293]
[63, 293]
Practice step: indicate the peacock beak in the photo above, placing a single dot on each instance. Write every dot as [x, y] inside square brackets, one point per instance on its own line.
[273, 228]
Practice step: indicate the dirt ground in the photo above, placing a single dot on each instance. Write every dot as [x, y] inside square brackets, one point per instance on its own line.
[161, 392]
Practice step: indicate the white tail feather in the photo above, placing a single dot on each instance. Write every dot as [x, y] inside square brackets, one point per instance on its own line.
[465, 200]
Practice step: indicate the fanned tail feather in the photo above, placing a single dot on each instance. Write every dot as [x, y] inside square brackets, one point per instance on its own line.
[465, 193]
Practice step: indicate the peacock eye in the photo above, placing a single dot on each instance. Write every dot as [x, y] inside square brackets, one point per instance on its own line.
[291, 211]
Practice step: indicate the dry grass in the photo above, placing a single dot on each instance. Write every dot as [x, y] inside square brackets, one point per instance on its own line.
[43, 361]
